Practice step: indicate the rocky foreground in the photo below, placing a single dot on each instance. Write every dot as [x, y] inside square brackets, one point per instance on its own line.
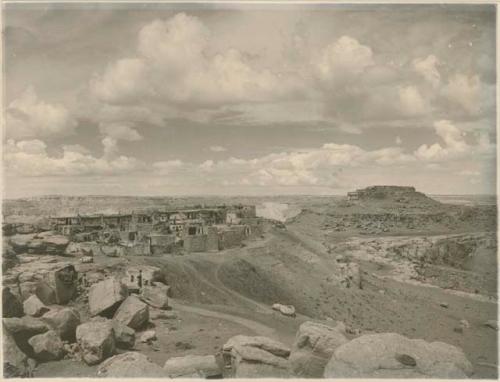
[105, 333]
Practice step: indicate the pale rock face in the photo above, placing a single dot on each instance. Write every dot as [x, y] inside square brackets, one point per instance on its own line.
[155, 296]
[97, 341]
[130, 365]
[47, 346]
[286, 310]
[34, 307]
[252, 357]
[391, 355]
[64, 322]
[133, 313]
[106, 296]
[193, 366]
[313, 347]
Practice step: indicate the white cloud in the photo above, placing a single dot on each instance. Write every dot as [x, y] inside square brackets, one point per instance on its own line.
[464, 91]
[313, 167]
[343, 60]
[412, 102]
[30, 117]
[175, 63]
[119, 132]
[167, 167]
[454, 143]
[218, 149]
[427, 68]
[30, 158]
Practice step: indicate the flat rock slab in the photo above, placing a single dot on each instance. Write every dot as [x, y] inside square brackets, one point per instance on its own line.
[133, 313]
[390, 355]
[106, 296]
[193, 366]
[130, 365]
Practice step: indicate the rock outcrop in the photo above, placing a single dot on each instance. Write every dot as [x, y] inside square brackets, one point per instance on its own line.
[313, 347]
[130, 365]
[58, 286]
[133, 313]
[15, 362]
[156, 295]
[96, 340]
[47, 346]
[193, 366]
[34, 307]
[64, 322]
[11, 305]
[391, 355]
[254, 357]
[106, 296]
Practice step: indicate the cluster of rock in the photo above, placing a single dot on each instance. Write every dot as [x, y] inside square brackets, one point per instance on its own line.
[38, 332]
[323, 351]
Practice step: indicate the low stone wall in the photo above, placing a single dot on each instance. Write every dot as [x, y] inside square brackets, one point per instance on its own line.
[195, 243]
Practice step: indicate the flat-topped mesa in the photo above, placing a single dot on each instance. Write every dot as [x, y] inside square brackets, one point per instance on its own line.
[402, 194]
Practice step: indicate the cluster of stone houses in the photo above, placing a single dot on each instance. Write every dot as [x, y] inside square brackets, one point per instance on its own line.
[169, 231]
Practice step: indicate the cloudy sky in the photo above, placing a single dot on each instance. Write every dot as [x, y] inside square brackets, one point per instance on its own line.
[248, 99]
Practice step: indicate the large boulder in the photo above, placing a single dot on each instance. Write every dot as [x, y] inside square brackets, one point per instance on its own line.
[96, 340]
[156, 295]
[52, 244]
[15, 362]
[22, 329]
[9, 257]
[34, 307]
[20, 243]
[390, 355]
[124, 335]
[313, 347]
[58, 286]
[47, 346]
[133, 313]
[130, 365]
[256, 357]
[64, 322]
[25, 326]
[190, 366]
[11, 305]
[106, 296]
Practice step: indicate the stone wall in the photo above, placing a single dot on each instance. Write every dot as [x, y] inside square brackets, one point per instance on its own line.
[232, 237]
[195, 243]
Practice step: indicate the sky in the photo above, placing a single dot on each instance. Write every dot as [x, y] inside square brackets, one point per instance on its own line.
[248, 99]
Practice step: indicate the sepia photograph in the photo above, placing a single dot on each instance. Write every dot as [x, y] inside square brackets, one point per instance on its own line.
[249, 189]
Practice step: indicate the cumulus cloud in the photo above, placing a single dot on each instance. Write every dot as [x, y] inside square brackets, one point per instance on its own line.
[427, 68]
[412, 102]
[313, 167]
[464, 91]
[30, 158]
[30, 117]
[167, 167]
[119, 132]
[343, 60]
[218, 149]
[454, 143]
[174, 63]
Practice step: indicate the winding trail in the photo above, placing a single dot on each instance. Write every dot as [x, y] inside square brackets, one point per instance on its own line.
[258, 328]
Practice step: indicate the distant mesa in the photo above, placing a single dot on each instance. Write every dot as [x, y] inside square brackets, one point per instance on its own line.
[398, 194]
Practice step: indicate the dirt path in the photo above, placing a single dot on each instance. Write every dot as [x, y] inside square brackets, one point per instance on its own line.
[257, 327]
